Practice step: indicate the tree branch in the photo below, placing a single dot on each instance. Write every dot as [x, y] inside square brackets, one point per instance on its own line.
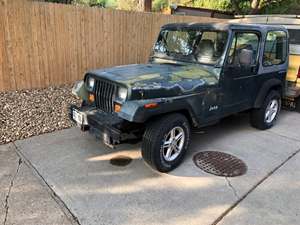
[254, 6]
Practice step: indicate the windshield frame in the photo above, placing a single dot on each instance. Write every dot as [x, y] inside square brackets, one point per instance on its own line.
[191, 58]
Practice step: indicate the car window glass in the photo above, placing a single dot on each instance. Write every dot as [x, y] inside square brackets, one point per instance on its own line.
[191, 45]
[248, 41]
[211, 46]
[275, 50]
[180, 41]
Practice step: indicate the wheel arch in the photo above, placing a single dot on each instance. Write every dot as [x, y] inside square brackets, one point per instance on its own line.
[273, 84]
[186, 112]
[139, 114]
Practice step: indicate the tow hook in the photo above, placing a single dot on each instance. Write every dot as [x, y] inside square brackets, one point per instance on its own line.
[84, 128]
[108, 141]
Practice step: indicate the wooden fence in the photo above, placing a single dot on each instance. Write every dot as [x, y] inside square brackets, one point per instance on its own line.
[44, 44]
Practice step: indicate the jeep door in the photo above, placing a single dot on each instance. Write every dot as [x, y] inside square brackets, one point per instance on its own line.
[241, 66]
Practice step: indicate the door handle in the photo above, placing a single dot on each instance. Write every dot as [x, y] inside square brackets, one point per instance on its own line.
[254, 69]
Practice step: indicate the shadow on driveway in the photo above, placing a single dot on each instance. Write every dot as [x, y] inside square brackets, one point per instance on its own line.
[78, 169]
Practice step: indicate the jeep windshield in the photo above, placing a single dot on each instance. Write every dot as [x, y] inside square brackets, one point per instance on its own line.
[191, 45]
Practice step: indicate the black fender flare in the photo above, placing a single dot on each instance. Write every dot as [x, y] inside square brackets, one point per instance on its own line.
[264, 90]
[187, 110]
[138, 114]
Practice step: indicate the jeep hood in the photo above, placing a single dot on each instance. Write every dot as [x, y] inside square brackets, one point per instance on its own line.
[161, 80]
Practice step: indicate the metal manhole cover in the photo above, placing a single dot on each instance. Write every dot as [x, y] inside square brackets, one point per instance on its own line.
[120, 161]
[220, 163]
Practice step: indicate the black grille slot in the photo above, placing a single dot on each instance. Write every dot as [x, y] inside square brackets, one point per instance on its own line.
[104, 95]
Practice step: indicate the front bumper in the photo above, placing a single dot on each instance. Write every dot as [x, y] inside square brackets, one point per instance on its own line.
[105, 126]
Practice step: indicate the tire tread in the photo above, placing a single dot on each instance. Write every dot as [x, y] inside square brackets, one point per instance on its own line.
[257, 115]
[151, 137]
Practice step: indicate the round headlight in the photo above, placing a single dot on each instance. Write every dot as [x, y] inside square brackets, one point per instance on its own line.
[91, 83]
[122, 93]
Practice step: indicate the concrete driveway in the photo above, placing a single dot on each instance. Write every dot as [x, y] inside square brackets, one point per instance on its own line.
[78, 170]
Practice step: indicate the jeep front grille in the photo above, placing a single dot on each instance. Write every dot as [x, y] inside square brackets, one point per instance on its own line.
[104, 95]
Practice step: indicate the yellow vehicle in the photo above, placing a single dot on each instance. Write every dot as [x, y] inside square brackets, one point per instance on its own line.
[292, 23]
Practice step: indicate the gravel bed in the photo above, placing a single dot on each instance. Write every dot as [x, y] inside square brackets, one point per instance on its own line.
[32, 112]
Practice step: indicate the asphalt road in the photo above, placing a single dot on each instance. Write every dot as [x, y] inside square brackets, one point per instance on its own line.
[77, 169]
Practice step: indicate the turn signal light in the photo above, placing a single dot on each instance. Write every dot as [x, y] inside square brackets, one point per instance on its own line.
[91, 98]
[151, 105]
[117, 107]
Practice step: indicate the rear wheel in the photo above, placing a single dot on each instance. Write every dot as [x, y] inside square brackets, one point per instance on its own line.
[165, 142]
[266, 116]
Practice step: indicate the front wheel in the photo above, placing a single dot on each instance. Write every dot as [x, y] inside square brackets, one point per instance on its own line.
[265, 117]
[165, 142]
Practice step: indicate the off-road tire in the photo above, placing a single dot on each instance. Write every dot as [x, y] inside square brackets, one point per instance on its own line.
[153, 139]
[257, 116]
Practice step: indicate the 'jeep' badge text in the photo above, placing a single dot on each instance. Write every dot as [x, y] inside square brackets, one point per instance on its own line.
[213, 107]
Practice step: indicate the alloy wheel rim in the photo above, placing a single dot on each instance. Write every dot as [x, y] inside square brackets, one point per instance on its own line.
[271, 111]
[173, 144]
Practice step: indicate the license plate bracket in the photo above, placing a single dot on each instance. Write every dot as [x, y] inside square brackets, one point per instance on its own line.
[77, 116]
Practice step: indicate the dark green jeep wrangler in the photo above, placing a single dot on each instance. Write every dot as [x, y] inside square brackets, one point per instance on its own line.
[197, 74]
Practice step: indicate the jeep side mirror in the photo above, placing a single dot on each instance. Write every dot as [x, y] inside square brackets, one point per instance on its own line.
[245, 57]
